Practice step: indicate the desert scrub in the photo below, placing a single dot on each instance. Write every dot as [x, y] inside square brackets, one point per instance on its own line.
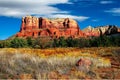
[38, 63]
[105, 62]
[17, 64]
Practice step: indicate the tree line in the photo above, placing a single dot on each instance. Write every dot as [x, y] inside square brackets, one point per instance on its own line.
[102, 41]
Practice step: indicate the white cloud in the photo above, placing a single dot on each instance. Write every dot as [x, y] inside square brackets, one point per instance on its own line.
[114, 11]
[37, 1]
[44, 8]
[19, 8]
[106, 2]
[80, 18]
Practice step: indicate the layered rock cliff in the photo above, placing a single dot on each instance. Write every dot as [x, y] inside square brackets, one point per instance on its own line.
[101, 30]
[43, 27]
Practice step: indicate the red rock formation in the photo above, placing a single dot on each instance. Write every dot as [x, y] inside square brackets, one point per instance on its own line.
[102, 30]
[119, 30]
[90, 31]
[84, 64]
[42, 27]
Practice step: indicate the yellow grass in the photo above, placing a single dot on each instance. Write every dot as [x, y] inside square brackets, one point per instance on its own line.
[44, 62]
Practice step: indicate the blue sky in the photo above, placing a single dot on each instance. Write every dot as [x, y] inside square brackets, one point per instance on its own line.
[85, 12]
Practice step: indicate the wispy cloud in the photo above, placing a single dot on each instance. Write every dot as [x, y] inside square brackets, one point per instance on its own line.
[114, 11]
[106, 2]
[79, 18]
[19, 8]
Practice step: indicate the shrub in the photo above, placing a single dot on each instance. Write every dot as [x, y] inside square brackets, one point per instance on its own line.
[47, 42]
[30, 41]
[42, 43]
[18, 43]
[5, 44]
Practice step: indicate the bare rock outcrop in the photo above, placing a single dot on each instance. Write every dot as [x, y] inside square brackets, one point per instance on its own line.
[43, 27]
[101, 30]
[84, 64]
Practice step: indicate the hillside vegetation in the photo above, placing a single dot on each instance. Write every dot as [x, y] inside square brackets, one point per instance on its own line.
[46, 42]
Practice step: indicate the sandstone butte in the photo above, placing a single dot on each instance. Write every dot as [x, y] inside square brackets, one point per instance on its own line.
[43, 27]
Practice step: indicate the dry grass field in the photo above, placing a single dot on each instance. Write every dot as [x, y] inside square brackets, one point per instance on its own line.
[59, 63]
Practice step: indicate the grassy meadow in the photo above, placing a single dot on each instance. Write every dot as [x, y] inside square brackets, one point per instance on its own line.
[59, 63]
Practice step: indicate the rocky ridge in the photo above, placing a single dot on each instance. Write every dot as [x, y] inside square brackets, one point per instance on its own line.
[56, 27]
[101, 30]
[43, 27]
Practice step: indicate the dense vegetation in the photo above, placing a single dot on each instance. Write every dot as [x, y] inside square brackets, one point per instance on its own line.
[102, 41]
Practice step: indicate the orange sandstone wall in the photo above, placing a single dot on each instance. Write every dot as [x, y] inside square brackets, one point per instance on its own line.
[43, 27]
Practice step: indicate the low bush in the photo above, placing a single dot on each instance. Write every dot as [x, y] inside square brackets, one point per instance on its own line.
[102, 41]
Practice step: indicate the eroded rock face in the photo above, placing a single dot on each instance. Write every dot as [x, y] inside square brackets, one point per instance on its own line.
[111, 30]
[102, 30]
[90, 31]
[37, 27]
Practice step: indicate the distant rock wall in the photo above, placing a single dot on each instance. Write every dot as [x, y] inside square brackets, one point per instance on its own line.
[43, 27]
[101, 30]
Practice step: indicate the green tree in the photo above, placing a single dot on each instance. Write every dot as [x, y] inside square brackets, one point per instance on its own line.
[18, 43]
[94, 42]
[42, 43]
[55, 43]
[83, 42]
[5, 44]
[107, 41]
[70, 42]
[116, 41]
[76, 42]
[30, 41]
[62, 42]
